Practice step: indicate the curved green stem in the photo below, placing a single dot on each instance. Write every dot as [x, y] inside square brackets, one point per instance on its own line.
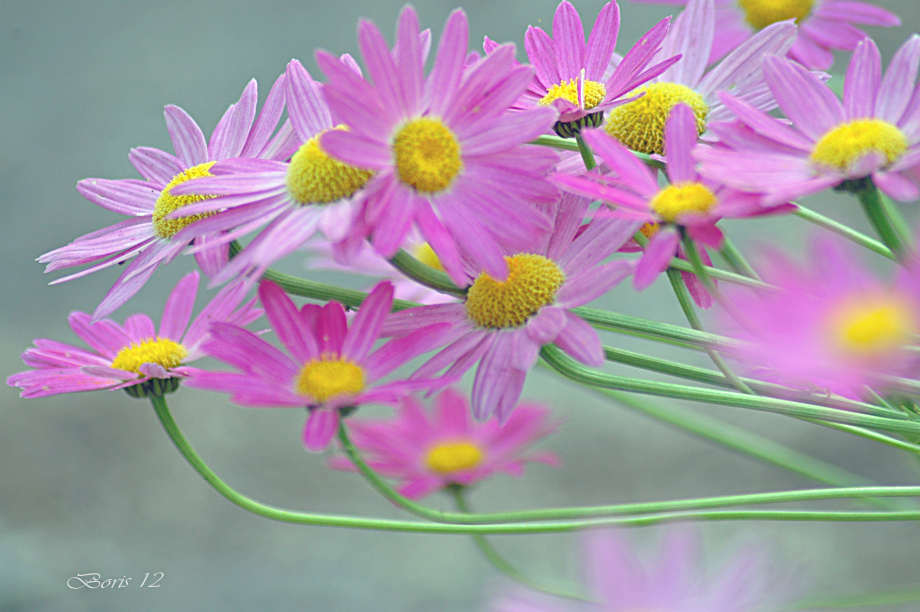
[736, 260]
[844, 231]
[871, 201]
[303, 518]
[587, 155]
[425, 274]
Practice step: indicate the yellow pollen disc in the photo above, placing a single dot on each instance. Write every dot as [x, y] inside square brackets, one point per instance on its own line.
[594, 93]
[329, 376]
[315, 178]
[162, 351]
[639, 125]
[425, 254]
[650, 229]
[848, 142]
[427, 155]
[872, 327]
[167, 202]
[531, 284]
[680, 198]
[761, 13]
[451, 457]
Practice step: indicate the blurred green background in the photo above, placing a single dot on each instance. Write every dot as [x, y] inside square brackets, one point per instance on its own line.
[90, 483]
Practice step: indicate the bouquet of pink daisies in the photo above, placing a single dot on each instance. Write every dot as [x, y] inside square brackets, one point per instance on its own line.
[503, 201]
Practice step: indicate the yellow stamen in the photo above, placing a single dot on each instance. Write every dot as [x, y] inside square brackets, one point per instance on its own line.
[162, 351]
[427, 155]
[329, 376]
[679, 198]
[167, 202]
[650, 229]
[872, 326]
[639, 125]
[449, 457]
[425, 254]
[531, 284]
[761, 13]
[315, 178]
[848, 142]
[594, 93]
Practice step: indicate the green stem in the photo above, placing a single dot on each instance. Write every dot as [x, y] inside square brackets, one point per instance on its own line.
[870, 199]
[587, 156]
[556, 142]
[699, 268]
[842, 230]
[898, 222]
[736, 260]
[686, 304]
[502, 564]
[633, 519]
[425, 274]
[571, 369]
[860, 600]
[646, 328]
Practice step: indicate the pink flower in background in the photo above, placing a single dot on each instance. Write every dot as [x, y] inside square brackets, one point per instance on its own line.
[570, 72]
[430, 450]
[640, 124]
[135, 355]
[874, 133]
[829, 325]
[824, 25]
[503, 324]
[618, 580]
[289, 201]
[149, 235]
[448, 157]
[689, 204]
[328, 365]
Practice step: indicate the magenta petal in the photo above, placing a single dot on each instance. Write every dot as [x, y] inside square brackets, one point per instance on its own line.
[680, 137]
[319, 429]
[305, 104]
[579, 340]
[591, 284]
[178, 309]
[569, 39]
[602, 41]
[492, 376]
[369, 321]
[330, 333]
[899, 82]
[545, 326]
[448, 65]
[661, 248]
[861, 85]
[188, 141]
[808, 102]
[896, 186]
[286, 322]
[229, 137]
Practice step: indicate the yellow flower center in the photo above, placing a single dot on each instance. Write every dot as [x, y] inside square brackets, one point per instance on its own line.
[425, 254]
[873, 326]
[848, 142]
[329, 376]
[594, 93]
[449, 457]
[650, 229]
[679, 198]
[162, 351]
[761, 13]
[639, 125]
[167, 202]
[531, 284]
[427, 155]
[315, 178]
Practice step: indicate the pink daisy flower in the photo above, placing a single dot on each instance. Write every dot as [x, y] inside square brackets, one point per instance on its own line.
[570, 73]
[824, 25]
[503, 324]
[291, 199]
[429, 451]
[829, 326]
[640, 124]
[874, 133]
[618, 580]
[149, 235]
[328, 365]
[690, 204]
[133, 356]
[447, 156]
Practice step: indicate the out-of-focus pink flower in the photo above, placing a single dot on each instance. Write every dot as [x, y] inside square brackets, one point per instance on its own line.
[328, 365]
[134, 355]
[430, 450]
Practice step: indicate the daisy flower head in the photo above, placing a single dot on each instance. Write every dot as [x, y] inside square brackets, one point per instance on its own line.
[690, 204]
[149, 236]
[640, 124]
[829, 325]
[328, 365]
[570, 73]
[429, 450]
[134, 356]
[874, 133]
[502, 324]
[289, 200]
[824, 25]
[618, 579]
[447, 157]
